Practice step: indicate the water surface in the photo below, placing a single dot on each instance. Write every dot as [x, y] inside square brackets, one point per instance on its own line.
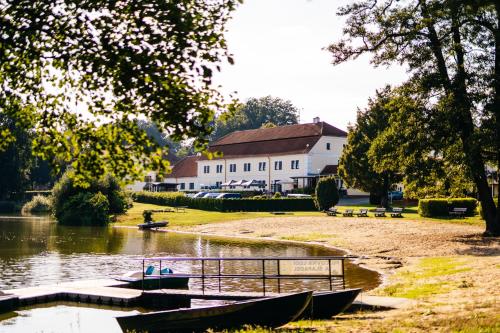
[37, 251]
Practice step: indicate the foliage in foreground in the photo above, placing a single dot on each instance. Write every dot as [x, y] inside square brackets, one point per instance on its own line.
[38, 204]
[326, 193]
[118, 61]
[92, 205]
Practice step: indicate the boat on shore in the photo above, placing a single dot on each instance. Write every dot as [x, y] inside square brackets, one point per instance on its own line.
[266, 312]
[326, 304]
[152, 225]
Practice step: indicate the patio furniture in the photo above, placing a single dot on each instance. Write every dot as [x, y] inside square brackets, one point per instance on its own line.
[397, 212]
[332, 211]
[362, 213]
[348, 212]
[379, 212]
[458, 212]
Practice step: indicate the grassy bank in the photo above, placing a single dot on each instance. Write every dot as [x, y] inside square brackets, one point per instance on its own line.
[192, 217]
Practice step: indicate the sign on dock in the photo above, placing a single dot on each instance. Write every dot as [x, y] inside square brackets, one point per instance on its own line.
[311, 267]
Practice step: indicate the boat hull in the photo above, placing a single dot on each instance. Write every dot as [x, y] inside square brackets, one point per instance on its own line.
[153, 283]
[330, 303]
[267, 312]
[152, 225]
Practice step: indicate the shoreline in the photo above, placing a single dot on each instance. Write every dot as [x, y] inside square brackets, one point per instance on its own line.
[355, 258]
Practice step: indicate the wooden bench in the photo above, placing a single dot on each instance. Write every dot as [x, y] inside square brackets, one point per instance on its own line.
[458, 211]
[181, 209]
[332, 211]
[362, 213]
[348, 212]
[397, 212]
[379, 212]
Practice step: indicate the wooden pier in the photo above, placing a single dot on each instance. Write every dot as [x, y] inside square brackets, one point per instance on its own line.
[113, 292]
[105, 291]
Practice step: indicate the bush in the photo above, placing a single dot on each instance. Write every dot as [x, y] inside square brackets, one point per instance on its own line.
[93, 205]
[7, 206]
[85, 208]
[38, 204]
[225, 205]
[480, 208]
[441, 207]
[327, 194]
[277, 195]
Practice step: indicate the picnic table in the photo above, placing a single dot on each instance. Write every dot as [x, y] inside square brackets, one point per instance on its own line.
[379, 212]
[362, 213]
[348, 212]
[180, 208]
[458, 211]
[332, 211]
[397, 212]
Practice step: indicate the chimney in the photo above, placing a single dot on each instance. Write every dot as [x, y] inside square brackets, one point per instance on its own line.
[316, 120]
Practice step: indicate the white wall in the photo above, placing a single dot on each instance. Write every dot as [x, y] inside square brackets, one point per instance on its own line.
[319, 156]
[269, 175]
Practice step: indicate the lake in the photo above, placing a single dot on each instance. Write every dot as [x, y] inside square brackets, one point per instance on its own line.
[37, 251]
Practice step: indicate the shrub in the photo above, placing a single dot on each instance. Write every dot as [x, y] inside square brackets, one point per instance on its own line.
[225, 205]
[75, 205]
[480, 208]
[277, 195]
[441, 207]
[327, 194]
[38, 204]
[85, 208]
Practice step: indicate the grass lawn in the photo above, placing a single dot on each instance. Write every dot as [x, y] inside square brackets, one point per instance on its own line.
[193, 216]
[411, 212]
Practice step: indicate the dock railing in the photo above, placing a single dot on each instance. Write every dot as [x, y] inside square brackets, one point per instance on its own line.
[329, 268]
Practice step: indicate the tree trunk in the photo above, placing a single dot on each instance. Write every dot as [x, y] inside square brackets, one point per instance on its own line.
[384, 200]
[471, 147]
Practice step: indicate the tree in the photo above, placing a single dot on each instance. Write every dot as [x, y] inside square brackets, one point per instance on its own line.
[85, 71]
[420, 148]
[356, 166]
[256, 113]
[327, 194]
[452, 51]
[15, 158]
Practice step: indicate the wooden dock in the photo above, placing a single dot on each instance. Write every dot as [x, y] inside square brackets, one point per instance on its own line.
[105, 291]
[113, 292]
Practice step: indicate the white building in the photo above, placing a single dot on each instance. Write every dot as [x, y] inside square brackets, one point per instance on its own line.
[275, 159]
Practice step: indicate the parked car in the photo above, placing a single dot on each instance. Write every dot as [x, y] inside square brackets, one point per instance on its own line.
[299, 195]
[211, 195]
[229, 196]
[199, 195]
[396, 195]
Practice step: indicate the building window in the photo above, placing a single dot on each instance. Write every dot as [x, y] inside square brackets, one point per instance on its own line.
[148, 179]
[295, 164]
[206, 169]
[246, 167]
[262, 166]
[218, 168]
[191, 186]
[183, 186]
[218, 184]
[232, 167]
[278, 165]
[328, 146]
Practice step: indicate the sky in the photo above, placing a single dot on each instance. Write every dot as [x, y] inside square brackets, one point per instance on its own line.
[278, 51]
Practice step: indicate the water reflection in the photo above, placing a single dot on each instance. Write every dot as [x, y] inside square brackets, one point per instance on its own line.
[36, 251]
